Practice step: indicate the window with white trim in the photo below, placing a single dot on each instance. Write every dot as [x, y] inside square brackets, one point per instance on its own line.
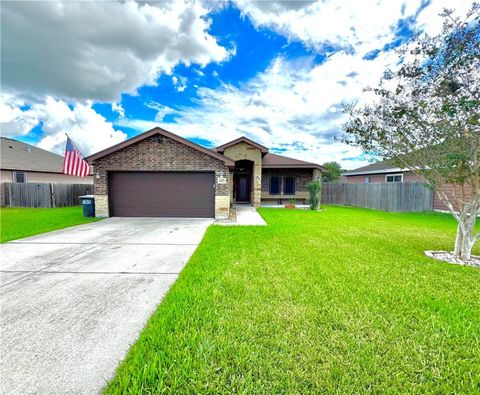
[19, 176]
[367, 180]
[394, 178]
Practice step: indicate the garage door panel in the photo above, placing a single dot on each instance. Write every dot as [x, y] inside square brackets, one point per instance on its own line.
[162, 194]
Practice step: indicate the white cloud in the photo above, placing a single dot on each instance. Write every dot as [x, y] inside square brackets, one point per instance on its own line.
[14, 121]
[179, 82]
[364, 25]
[161, 109]
[77, 51]
[90, 131]
[118, 108]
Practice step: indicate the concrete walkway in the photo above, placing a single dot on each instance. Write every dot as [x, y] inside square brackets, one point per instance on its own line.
[74, 300]
[246, 215]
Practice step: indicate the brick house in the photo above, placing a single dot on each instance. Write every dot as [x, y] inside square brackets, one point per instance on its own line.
[160, 174]
[384, 171]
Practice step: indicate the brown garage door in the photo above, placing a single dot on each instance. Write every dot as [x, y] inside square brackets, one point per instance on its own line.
[161, 194]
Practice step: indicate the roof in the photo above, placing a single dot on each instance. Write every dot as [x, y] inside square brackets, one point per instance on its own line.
[17, 155]
[274, 161]
[242, 139]
[384, 166]
[162, 132]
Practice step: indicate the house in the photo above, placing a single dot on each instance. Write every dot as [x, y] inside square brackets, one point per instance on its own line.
[160, 174]
[382, 171]
[21, 162]
[385, 171]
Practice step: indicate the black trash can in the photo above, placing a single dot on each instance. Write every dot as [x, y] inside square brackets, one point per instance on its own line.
[88, 205]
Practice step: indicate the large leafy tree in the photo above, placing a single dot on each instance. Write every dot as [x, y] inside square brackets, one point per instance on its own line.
[425, 116]
[334, 170]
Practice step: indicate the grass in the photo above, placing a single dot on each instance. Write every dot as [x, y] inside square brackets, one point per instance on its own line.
[16, 223]
[338, 301]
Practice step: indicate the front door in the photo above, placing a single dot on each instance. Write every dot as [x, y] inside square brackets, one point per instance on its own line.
[243, 189]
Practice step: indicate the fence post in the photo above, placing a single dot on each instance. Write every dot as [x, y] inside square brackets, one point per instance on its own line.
[52, 196]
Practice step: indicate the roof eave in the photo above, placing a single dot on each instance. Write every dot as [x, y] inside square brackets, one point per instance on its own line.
[381, 171]
[299, 166]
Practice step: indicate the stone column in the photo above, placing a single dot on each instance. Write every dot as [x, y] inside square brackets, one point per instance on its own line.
[257, 183]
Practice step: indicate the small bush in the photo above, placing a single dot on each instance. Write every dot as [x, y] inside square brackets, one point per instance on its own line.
[315, 189]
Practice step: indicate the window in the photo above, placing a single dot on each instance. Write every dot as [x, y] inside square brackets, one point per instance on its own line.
[394, 178]
[19, 176]
[289, 186]
[274, 185]
[367, 180]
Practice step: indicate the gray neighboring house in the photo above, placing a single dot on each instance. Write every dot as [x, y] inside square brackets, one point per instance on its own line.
[383, 171]
[21, 163]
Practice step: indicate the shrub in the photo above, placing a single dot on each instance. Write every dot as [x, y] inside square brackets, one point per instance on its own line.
[315, 189]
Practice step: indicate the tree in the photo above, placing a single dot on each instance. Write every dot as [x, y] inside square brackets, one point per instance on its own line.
[425, 116]
[334, 170]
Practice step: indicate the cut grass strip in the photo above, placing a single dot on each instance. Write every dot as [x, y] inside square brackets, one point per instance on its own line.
[19, 222]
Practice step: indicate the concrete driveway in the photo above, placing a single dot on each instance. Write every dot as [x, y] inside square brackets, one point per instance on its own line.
[74, 300]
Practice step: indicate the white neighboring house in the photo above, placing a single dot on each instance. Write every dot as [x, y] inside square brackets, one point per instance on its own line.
[21, 162]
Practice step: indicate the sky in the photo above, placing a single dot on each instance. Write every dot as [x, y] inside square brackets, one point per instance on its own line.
[277, 72]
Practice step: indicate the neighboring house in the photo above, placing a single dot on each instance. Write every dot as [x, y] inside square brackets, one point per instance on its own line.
[21, 162]
[385, 171]
[158, 173]
[382, 171]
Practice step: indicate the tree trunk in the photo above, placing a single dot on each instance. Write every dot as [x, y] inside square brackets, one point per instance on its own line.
[459, 241]
[466, 250]
[466, 237]
[466, 218]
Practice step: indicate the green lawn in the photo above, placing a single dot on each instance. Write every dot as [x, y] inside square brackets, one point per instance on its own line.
[339, 301]
[16, 222]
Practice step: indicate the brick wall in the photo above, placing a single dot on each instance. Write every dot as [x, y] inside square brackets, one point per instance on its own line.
[152, 155]
[450, 190]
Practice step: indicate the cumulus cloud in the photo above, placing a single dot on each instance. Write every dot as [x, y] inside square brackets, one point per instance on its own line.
[90, 131]
[77, 51]
[360, 26]
[14, 121]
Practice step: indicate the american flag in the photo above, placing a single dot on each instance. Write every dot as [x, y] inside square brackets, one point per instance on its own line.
[73, 163]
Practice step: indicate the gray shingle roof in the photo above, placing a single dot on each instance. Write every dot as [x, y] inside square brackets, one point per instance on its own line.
[280, 161]
[383, 166]
[16, 155]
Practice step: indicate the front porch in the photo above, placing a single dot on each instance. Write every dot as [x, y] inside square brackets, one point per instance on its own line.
[279, 186]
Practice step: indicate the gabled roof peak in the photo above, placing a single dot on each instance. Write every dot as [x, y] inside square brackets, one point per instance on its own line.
[159, 131]
[242, 139]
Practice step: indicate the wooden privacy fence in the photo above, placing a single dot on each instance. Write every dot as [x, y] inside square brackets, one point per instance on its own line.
[43, 195]
[386, 196]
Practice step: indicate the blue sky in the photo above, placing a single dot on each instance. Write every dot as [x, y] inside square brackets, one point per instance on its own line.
[277, 72]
